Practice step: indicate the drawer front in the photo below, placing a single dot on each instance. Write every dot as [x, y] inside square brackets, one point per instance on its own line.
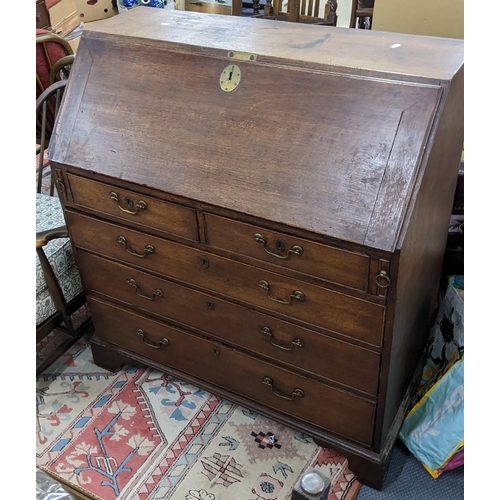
[135, 208]
[328, 263]
[301, 348]
[292, 298]
[334, 410]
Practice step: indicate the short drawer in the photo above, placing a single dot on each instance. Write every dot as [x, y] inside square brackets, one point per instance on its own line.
[331, 409]
[134, 208]
[291, 298]
[322, 261]
[324, 357]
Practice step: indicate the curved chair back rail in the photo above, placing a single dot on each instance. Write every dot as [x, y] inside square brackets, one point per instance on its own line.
[47, 106]
[50, 50]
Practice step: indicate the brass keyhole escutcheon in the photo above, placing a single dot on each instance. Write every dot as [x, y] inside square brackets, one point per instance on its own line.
[280, 245]
[230, 78]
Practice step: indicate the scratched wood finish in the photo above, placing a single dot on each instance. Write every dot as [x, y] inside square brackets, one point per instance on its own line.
[347, 268]
[331, 359]
[347, 415]
[327, 180]
[136, 209]
[364, 186]
[325, 308]
[421, 57]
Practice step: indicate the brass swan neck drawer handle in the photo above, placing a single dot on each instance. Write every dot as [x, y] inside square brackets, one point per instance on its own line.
[147, 249]
[297, 295]
[382, 275]
[140, 205]
[297, 393]
[161, 343]
[157, 293]
[295, 250]
[268, 332]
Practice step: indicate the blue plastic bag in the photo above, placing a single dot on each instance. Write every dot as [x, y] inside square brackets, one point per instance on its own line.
[434, 429]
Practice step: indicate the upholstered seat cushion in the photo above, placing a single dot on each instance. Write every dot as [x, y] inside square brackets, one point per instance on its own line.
[49, 215]
[46, 174]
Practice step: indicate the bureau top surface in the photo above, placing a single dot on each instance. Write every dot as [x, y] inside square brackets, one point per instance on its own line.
[393, 53]
[335, 153]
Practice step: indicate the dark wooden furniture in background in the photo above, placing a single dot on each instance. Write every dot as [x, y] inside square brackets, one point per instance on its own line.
[305, 11]
[361, 14]
[42, 15]
[243, 221]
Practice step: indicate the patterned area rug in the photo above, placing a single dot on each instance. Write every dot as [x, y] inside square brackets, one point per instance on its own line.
[138, 434]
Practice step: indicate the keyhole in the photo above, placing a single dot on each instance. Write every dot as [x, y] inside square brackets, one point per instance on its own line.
[230, 74]
[280, 245]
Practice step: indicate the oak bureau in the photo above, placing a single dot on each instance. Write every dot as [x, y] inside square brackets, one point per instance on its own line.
[261, 208]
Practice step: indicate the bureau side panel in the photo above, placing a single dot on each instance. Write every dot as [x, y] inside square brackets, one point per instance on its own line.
[422, 245]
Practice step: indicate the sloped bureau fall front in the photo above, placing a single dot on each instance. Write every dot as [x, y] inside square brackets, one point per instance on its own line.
[261, 208]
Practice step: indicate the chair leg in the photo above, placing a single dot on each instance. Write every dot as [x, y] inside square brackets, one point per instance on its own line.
[331, 16]
[352, 21]
[64, 346]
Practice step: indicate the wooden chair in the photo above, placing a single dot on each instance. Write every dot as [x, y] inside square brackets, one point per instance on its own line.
[59, 291]
[54, 57]
[304, 11]
[50, 49]
[362, 14]
[256, 5]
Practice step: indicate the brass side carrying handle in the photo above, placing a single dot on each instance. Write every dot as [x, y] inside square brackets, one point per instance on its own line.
[297, 295]
[296, 343]
[382, 275]
[299, 393]
[295, 250]
[156, 293]
[147, 249]
[161, 343]
[140, 205]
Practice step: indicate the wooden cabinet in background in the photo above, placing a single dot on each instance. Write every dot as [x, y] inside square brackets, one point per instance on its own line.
[261, 208]
[42, 16]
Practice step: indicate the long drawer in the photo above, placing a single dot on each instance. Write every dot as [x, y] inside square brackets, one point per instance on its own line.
[133, 207]
[325, 262]
[311, 304]
[300, 348]
[331, 409]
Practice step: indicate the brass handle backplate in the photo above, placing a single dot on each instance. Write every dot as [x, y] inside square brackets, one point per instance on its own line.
[295, 250]
[297, 295]
[161, 343]
[148, 249]
[299, 393]
[382, 275]
[156, 293]
[268, 332]
[140, 205]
